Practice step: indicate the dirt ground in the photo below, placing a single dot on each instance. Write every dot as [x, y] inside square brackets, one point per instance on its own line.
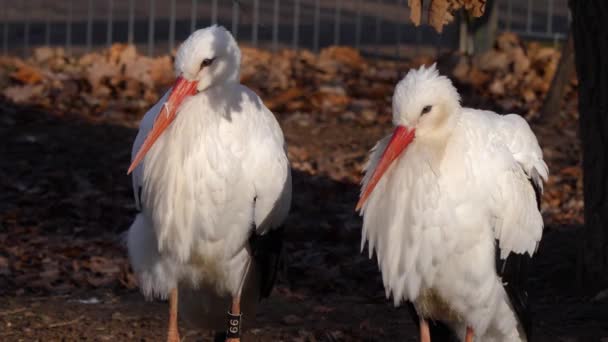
[65, 200]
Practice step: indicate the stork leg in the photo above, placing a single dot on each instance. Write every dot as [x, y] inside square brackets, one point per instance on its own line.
[173, 333]
[425, 332]
[469, 336]
[234, 321]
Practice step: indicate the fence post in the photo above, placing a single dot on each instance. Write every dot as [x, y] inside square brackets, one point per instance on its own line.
[235, 19]
[549, 16]
[89, 25]
[26, 29]
[5, 29]
[171, 26]
[463, 33]
[110, 27]
[275, 26]
[151, 20]
[193, 16]
[68, 28]
[398, 33]
[509, 14]
[358, 26]
[47, 27]
[337, 19]
[254, 24]
[316, 28]
[214, 12]
[378, 24]
[131, 24]
[296, 25]
[529, 17]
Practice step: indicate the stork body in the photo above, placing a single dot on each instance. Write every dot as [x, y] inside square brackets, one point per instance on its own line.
[452, 188]
[215, 181]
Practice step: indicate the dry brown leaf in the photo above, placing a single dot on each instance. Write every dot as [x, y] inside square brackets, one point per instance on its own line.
[27, 74]
[22, 94]
[476, 8]
[441, 11]
[4, 268]
[528, 95]
[283, 98]
[43, 54]
[478, 78]
[333, 102]
[291, 320]
[98, 71]
[118, 52]
[138, 71]
[497, 87]
[438, 14]
[415, 11]
[494, 60]
[521, 62]
[99, 280]
[507, 41]
[103, 265]
[323, 309]
[341, 56]
[461, 70]
[161, 70]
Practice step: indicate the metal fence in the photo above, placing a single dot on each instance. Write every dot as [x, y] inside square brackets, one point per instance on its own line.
[374, 26]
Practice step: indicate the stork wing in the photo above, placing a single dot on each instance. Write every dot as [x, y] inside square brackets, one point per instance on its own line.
[522, 143]
[144, 128]
[519, 223]
[272, 181]
[271, 176]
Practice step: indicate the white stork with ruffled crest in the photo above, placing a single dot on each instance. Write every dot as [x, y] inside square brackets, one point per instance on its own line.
[450, 205]
[212, 180]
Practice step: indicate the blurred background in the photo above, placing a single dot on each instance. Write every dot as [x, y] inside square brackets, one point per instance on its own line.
[376, 27]
[77, 76]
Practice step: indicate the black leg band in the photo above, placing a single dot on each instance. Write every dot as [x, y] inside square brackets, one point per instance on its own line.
[234, 326]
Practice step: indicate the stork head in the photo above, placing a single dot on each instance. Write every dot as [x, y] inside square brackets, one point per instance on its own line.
[426, 102]
[426, 107]
[209, 57]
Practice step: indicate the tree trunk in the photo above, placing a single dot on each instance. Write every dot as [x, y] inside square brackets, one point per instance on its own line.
[485, 29]
[553, 100]
[590, 33]
[477, 35]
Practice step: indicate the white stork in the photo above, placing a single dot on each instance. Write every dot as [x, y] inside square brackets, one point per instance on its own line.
[213, 183]
[450, 205]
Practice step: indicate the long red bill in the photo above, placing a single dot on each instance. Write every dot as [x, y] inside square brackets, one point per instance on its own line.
[402, 137]
[182, 89]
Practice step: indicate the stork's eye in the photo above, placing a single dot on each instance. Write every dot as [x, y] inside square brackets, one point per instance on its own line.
[207, 62]
[426, 109]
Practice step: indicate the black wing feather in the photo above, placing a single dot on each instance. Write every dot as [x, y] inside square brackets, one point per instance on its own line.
[267, 254]
[514, 273]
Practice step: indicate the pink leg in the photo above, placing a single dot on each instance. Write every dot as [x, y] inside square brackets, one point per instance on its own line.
[425, 332]
[235, 310]
[173, 333]
[469, 337]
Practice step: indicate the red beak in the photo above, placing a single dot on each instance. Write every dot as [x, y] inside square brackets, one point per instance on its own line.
[182, 89]
[402, 137]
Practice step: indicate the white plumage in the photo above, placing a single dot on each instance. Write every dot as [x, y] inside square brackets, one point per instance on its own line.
[434, 215]
[216, 173]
